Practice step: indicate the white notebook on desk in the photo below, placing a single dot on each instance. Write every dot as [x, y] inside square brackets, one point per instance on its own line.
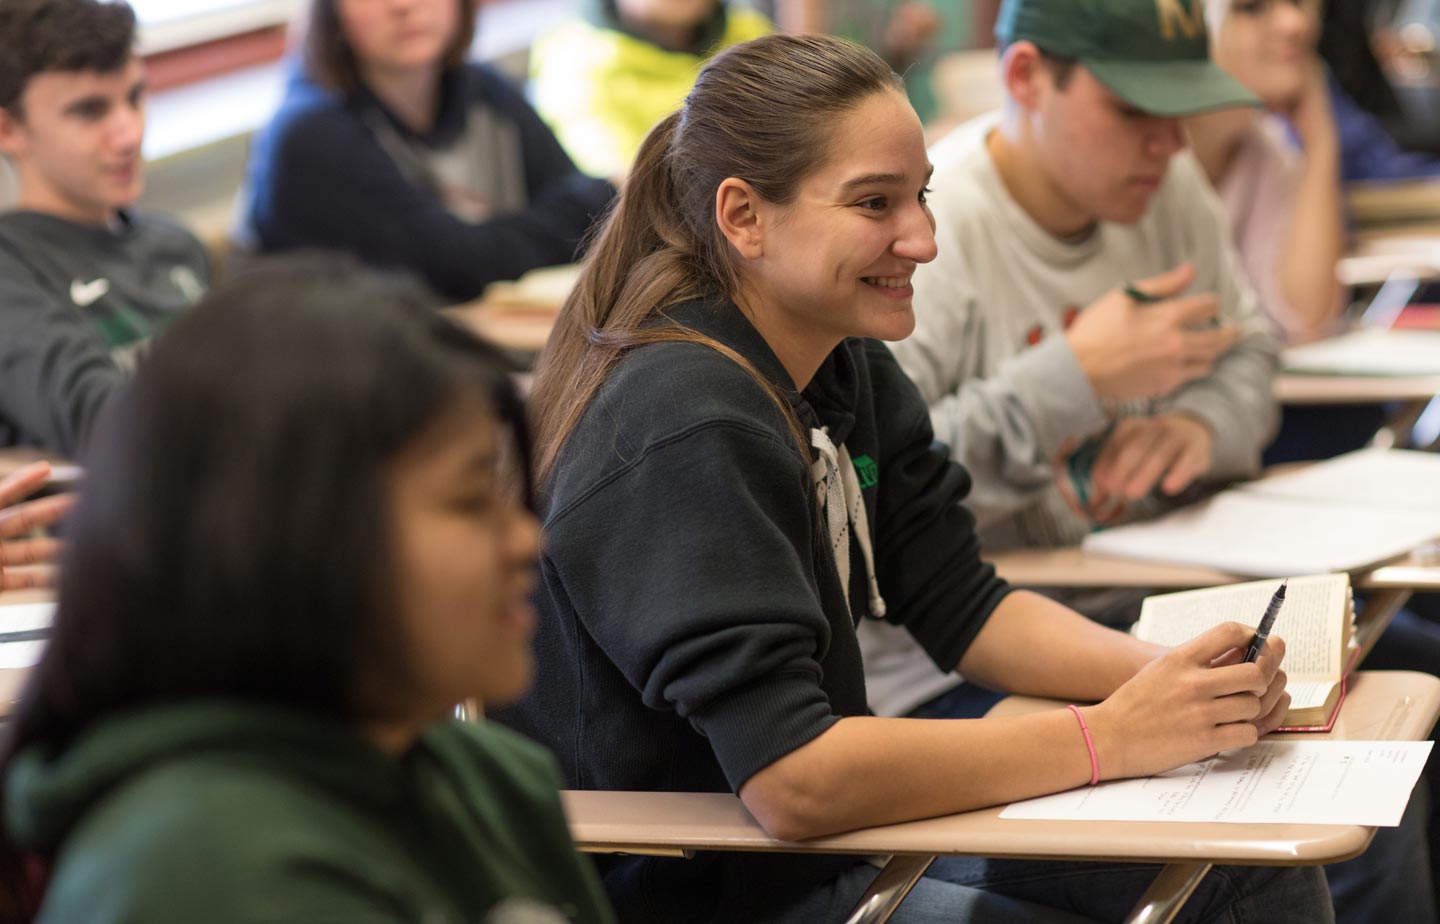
[1330, 517]
[1399, 479]
[1368, 351]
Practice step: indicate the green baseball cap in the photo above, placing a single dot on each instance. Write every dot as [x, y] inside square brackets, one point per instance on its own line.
[1154, 54]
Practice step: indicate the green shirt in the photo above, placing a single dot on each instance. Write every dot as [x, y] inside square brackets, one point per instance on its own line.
[229, 813]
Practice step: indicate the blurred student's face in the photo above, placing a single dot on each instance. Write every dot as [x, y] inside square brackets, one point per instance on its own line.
[1267, 45]
[75, 140]
[398, 34]
[1106, 158]
[671, 14]
[836, 262]
[465, 549]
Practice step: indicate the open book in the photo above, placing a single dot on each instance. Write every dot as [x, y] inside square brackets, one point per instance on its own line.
[1317, 622]
[1348, 514]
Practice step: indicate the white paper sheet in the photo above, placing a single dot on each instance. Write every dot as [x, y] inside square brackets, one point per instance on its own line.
[1370, 351]
[23, 617]
[1398, 479]
[1255, 534]
[1273, 782]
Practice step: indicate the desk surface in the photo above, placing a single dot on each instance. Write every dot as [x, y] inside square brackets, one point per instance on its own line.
[1381, 705]
[520, 328]
[519, 315]
[1074, 567]
[1292, 388]
[524, 328]
[14, 457]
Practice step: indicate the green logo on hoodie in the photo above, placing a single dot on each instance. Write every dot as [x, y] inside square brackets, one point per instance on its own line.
[868, 471]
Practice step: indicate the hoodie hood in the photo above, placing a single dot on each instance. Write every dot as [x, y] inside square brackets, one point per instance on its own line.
[48, 791]
[603, 14]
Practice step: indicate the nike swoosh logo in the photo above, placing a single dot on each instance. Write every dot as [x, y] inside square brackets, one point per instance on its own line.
[85, 294]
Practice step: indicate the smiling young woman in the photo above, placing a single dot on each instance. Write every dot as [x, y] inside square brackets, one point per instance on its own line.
[735, 471]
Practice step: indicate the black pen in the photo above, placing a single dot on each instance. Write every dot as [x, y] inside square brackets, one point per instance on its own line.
[1142, 298]
[1262, 631]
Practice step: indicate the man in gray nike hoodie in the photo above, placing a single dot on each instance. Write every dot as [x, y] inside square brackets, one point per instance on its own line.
[85, 280]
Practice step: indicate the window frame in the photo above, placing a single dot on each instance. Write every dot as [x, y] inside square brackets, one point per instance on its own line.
[207, 28]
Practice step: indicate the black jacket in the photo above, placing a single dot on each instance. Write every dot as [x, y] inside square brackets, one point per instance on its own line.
[319, 176]
[693, 628]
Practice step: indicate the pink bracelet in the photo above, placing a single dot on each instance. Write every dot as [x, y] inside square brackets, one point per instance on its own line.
[1089, 745]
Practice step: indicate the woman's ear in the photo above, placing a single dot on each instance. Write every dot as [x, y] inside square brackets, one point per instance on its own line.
[738, 213]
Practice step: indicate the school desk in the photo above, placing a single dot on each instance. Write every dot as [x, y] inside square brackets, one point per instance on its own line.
[62, 472]
[1292, 388]
[1389, 586]
[519, 315]
[1380, 705]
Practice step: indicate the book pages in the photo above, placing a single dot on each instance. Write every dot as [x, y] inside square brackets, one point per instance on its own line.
[1313, 621]
[1307, 694]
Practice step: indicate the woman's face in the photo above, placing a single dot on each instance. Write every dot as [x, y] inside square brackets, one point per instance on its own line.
[464, 549]
[1268, 46]
[398, 34]
[666, 14]
[836, 262]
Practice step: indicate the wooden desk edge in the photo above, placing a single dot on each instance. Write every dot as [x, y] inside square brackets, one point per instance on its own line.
[1072, 566]
[674, 822]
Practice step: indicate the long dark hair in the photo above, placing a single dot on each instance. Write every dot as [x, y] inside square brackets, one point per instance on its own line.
[763, 111]
[231, 538]
[330, 61]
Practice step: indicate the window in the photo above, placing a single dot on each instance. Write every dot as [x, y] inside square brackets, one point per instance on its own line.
[170, 24]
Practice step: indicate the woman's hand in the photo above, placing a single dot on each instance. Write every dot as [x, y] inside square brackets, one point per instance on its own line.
[26, 562]
[1194, 701]
[1312, 116]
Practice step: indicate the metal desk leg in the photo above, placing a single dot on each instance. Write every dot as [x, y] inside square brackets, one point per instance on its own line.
[889, 889]
[1168, 893]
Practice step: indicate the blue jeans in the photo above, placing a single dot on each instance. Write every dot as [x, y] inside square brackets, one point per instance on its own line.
[964, 890]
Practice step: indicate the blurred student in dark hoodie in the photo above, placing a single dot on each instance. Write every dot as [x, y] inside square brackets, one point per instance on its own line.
[603, 80]
[391, 146]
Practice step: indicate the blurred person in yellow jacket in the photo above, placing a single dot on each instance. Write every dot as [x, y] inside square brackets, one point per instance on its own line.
[602, 80]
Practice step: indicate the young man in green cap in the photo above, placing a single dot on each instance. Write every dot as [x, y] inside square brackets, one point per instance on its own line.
[1087, 339]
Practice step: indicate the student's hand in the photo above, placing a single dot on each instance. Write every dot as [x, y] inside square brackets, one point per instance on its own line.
[1128, 350]
[1168, 451]
[18, 556]
[1276, 702]
[1193, 701]
[1312, 116]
